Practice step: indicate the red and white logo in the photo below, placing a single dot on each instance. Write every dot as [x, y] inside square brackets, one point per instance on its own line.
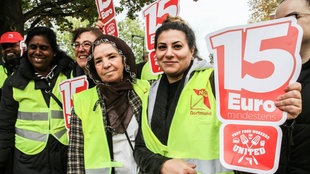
[250, 148]
[105, 10]
[253, 66]
[199, 103]
[67, 89]
[204, 96]
[106, 13]
[111, 28]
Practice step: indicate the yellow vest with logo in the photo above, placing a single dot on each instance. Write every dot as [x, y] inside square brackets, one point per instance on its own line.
[194, 131]
[96, 149]
[36, 121]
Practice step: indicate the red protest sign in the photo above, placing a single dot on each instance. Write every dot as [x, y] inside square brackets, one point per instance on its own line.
[106, 13]
[253, 65]
[154, 15]
[110, 28]
[67, 89]
[250, 148]
[153, 63]
[106, 10]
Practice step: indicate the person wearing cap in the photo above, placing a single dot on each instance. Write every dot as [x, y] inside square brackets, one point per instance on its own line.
[11, 44]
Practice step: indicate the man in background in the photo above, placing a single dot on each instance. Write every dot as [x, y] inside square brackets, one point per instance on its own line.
[12, 49]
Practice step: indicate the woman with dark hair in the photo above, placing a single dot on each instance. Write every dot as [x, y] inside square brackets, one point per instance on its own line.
[105, 119]
[81, 43]
[174, 137]
[32, 126]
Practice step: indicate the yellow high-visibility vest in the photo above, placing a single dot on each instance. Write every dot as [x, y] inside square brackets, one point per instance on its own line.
[36, 121]
[194, 131]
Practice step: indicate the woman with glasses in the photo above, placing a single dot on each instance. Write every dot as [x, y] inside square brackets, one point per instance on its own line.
[82, 40]
[105, 118]
[32, 127]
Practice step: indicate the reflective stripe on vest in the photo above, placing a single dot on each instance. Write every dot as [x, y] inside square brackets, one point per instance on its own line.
[36, 135]
[96, 149]
[35, 116]
[106, 168]
[31, 135]
[195, 111]
[98, 171]
[57, 114]
[36, 121]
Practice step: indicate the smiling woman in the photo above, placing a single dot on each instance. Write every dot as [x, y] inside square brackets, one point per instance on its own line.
[32, 123]
[114, 107]
[40, 54]
[108, 63]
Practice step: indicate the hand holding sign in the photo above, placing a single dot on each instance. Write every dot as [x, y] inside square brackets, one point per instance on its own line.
[254, 64]
[106, 13]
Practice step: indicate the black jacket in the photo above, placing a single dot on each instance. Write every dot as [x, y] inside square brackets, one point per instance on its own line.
[53, 158]
[295, 150]
[9, 69]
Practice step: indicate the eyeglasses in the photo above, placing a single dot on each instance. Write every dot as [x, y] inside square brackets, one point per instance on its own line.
[85, 45]
[297, 15]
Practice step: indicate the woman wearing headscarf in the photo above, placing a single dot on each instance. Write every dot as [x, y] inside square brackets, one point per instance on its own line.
[105, 119]
[31, 115]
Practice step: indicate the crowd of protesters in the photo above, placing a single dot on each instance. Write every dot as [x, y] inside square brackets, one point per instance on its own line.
[121, 124]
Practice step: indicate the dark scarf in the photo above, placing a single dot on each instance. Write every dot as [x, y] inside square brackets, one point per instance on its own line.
[167, 98]
[118, 110]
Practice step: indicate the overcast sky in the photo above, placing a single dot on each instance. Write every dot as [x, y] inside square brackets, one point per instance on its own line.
[207, 16]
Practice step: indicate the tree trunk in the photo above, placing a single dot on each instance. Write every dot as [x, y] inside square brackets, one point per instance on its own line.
[11, 16]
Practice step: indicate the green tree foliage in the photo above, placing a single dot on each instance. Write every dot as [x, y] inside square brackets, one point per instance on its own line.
[22, 15]
[132, 32]
[262, 10]
[128, 29]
